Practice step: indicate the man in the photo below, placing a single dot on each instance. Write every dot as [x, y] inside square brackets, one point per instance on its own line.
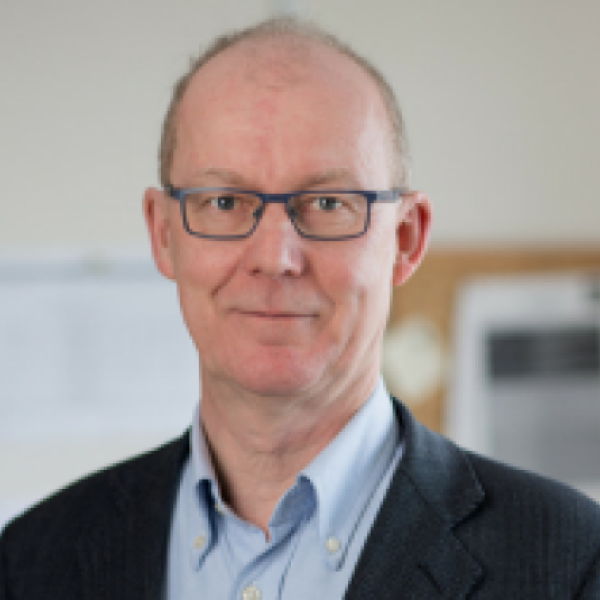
[285, 221]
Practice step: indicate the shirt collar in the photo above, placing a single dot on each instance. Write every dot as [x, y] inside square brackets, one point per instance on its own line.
[347, 472]
[337, 485]
[203, 495]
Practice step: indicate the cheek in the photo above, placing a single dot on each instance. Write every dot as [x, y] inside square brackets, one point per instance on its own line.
[359, 285]
[367, 266]
[370, 279]
[200, 272]
[201, 264]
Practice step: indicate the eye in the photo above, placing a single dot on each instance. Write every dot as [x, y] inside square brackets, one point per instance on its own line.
[224, 203]
[327, 203]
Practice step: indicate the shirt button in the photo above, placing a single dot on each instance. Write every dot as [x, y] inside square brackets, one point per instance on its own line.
[199, 541]
[333, 545]
[251, 593]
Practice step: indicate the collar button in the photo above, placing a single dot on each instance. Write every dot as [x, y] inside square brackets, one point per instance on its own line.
[333, 545]
[251, 592]
[199, 541]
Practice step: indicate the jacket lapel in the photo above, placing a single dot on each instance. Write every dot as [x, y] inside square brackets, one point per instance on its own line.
[412, 550]
[125, 551]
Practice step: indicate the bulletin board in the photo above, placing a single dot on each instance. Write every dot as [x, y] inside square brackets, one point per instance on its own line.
[431, 294]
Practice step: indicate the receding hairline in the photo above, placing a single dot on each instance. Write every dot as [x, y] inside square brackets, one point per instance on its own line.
[298, 36]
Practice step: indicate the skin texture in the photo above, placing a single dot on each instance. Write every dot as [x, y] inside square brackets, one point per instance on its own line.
[288, 329]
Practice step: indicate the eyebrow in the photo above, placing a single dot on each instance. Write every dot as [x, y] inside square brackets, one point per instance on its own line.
[329, 176]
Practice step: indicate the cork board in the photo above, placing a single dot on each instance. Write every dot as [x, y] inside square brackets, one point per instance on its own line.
[431, 292]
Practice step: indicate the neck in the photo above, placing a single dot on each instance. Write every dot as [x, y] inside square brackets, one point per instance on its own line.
[259, 444]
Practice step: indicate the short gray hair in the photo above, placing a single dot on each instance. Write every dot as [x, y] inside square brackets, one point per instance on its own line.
[289, 26]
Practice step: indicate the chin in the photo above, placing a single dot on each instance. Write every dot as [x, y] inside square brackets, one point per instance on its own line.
[278, 380]
[280, 384]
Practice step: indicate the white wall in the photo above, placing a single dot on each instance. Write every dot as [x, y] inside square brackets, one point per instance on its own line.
[501, 100]
[84, 89]
[502, 103]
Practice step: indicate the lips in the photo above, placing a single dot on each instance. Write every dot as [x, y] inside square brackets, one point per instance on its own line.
[274, 307]
[264, 314]
[275, 310]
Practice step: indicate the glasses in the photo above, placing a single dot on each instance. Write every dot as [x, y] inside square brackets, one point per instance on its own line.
[225, 213]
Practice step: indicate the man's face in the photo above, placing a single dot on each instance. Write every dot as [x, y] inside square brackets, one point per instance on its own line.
[277, 314]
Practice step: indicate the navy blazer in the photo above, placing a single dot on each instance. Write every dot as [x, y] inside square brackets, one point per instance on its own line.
[453, 525]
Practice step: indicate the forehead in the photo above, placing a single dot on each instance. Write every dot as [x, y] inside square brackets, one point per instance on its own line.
[281, 91]
[281, 61]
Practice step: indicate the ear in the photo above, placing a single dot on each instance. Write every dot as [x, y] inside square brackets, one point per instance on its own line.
[157, 215]
[413, 231]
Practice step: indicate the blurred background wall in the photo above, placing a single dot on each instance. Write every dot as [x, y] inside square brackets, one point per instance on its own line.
[501, 101]
[500, 98]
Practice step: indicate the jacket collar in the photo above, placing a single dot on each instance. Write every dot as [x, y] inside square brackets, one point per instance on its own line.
[412, 550]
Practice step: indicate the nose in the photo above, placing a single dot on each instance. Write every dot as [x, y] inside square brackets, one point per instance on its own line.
[275, 249]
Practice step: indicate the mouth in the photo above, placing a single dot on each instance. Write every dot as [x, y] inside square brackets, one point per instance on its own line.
[276, 315]
[274, 327]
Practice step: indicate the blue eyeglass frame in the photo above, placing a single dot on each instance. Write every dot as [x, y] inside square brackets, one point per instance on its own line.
[371, 196]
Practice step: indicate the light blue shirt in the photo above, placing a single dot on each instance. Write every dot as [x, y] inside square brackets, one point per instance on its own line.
[317, 529]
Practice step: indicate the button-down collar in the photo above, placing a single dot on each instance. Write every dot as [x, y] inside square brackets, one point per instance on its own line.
[334, 488]
[346, 473]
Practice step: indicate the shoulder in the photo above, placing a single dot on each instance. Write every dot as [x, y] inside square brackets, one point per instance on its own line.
[443, 470]
[523, 529]
[542, 506]
[534, 531]
[59, 520]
